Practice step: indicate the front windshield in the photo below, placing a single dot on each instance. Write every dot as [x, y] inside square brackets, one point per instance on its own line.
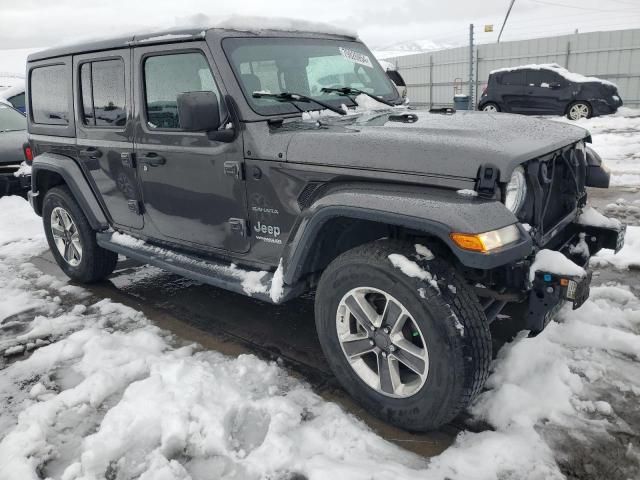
[11, 119]
[304, 66]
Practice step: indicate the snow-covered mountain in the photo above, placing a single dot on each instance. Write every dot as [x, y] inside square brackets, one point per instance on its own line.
[410, 47]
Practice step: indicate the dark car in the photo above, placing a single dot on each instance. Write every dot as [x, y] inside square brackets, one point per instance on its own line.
[14, 96]
[548, 89]
[13, 135]
[225, 158]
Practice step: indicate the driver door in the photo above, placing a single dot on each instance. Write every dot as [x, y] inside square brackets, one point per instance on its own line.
[192, 187]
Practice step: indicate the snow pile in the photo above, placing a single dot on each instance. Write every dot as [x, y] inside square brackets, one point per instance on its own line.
[23, 171]
[554, 262]
[628, 257]
[563, 72]
[591, 217]
[20, 227]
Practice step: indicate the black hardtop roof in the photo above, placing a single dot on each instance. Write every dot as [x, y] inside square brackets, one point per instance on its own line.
[165, 36]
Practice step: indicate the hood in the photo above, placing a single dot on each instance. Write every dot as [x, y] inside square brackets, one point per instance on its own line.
[11, 147]
[451, 145]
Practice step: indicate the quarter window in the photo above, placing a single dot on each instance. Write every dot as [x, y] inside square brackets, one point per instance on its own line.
[166, 77]
[17, 101]
[512, 78]
[540, 78]
[103, 93]
[49, 95]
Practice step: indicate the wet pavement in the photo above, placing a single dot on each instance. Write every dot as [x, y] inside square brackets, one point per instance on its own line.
[234, 324]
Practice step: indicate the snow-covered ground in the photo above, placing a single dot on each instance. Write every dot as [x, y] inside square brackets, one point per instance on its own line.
[91, 389]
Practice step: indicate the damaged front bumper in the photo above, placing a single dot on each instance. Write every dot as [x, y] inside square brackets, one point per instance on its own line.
[549, 291]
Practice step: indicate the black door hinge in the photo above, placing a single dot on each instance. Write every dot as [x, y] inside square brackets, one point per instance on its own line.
[128, 159]
[488, 177]
[238, 226]
[234, 169]
[135, 206]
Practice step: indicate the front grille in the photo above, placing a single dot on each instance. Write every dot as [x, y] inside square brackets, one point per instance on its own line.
[557, 188]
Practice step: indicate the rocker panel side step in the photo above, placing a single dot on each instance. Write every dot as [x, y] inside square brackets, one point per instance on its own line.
[209, 272]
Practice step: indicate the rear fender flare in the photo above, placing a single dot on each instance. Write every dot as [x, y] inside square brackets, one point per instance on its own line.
[73, 177]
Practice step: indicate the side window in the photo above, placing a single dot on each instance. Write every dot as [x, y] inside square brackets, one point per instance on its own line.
[103, 93]
[49, 95]
[17, 101]
[540, 78]
[167, 76]
[512, 78]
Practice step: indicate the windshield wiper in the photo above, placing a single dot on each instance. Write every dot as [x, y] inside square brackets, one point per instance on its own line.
[348, 91]
[296, 97]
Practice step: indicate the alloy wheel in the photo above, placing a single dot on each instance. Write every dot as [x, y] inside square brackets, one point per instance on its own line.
[489, 108]
[66, 236]
[579, 110]
[382, 342]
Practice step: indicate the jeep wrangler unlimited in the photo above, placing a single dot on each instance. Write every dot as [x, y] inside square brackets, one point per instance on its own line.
[275, 163]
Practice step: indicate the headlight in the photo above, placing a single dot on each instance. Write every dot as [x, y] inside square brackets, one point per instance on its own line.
[516, 190]
[487, 241]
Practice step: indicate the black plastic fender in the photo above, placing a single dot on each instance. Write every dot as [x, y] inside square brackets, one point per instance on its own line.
[73, 177]
[436, 212]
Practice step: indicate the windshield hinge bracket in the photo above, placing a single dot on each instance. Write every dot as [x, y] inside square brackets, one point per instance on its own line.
[488, 177]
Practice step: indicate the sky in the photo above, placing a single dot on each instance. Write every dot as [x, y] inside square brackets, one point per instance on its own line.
[34, 24]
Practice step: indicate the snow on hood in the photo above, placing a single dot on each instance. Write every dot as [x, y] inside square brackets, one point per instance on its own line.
[449, 145]
[563, 72]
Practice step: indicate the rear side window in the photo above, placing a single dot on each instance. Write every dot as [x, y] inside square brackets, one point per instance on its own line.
[540, 78]
[512, 78]
[49, 95]
[166, 77]
[17, 101]
[103, 93]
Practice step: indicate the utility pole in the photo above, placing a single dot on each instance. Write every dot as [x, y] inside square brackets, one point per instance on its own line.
[471, 76]
[506, 17]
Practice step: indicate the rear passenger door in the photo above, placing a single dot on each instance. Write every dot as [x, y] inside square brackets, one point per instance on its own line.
[105, 132]
[193, 187]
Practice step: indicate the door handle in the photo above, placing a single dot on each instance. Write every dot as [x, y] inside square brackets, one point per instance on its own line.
[90, 152]
[152, 159]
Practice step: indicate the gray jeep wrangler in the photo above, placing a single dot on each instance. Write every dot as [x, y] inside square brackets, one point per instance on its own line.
[276, 163]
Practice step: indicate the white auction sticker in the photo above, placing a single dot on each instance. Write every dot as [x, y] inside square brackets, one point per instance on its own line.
[356, 57]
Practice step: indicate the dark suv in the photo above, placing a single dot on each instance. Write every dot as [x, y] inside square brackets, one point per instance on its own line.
[548, 89]
[222, 155]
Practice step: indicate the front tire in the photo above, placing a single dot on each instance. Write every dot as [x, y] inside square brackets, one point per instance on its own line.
[578, 110]
[72, 240]
[413, 351]
[490, 107]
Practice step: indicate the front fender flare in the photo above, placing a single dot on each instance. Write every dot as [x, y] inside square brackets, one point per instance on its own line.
[436, 212]
[73, 177]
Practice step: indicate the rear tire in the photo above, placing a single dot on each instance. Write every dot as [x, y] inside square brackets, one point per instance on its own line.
[490, 107]
[72, 240]
[445, 320]
[578, 110]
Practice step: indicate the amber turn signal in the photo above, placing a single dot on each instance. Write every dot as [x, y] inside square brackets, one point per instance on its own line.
[487, 241]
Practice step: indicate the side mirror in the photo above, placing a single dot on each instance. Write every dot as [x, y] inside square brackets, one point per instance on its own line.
[198, 111]
[555, 85]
